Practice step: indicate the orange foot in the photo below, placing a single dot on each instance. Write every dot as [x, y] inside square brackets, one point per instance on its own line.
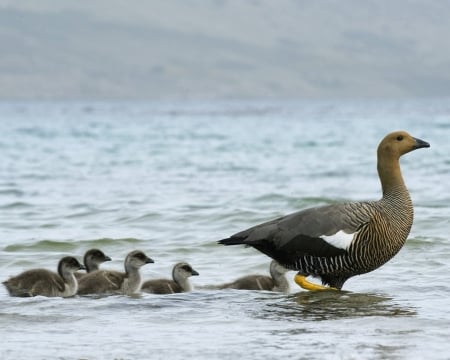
[305, 284]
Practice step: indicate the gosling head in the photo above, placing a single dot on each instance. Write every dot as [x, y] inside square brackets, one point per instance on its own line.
[93, 258]
[69, 264]
[136, 259]
[276, 269]
[183, 270]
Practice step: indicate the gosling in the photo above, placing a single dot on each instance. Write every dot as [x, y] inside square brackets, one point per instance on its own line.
[92, 260]
[180, 283]
[46, 283]
[275, 282]
[115, 282]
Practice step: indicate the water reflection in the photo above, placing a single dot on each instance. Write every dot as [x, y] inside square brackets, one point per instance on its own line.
[332, 305]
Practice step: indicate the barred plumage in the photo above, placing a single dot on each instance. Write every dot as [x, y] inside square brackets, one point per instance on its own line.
[306, 241]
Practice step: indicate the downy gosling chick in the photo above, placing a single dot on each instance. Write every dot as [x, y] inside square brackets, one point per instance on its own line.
[115, 282]
[180, 283]
[46, 283]
[92, 259]
[275, 282]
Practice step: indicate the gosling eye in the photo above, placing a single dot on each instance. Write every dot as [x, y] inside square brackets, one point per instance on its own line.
[400, 137]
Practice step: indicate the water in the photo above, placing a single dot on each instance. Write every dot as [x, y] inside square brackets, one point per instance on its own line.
[170, 179]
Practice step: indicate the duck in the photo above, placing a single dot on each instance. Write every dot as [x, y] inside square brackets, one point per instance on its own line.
[180, 283]
[338, 241]
[116, 282]
[92, 259]
[275, 282]
[44, 282]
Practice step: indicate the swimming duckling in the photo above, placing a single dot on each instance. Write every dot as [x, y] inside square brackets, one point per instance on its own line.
[180, 283]
[46, 283]
[115, 282]
[275, 282]
[92, 259]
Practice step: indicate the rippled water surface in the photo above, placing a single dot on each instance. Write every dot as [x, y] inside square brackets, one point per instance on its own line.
[171, 179]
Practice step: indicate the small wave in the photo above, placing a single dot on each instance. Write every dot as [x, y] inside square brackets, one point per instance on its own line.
[16, 205]
[47, 245]
[419, 241]
[274, 197]
[71, 245]
[13, 192]
[38, 132]
[141, 218]
[107, 242]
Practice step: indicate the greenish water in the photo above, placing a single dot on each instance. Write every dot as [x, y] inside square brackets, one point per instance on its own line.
[171, 179]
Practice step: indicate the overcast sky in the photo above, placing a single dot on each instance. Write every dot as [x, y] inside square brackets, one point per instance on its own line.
[208, 49]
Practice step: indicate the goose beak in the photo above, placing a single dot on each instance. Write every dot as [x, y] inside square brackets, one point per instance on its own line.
[107, 258]
[194, 273]
[420, 144]
[149, 261]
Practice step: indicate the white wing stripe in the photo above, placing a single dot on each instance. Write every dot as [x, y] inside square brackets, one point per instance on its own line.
[340, 240]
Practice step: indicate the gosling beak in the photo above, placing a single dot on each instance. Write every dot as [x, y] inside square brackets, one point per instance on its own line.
[82, 267]
[194, 273]
[107, 258]
[420, 144]
[149, 261]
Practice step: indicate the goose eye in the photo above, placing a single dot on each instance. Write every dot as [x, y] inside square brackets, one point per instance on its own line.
[400, 137]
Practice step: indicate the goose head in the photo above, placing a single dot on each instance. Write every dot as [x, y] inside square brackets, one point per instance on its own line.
[399, 143]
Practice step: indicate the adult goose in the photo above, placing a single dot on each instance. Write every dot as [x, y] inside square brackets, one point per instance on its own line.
[338, 241]
[46, 283]
[275, 282]
[116, 282]
[92, 259]
[181, 273]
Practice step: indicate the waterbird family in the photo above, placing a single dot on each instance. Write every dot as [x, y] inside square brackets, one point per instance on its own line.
[332, 242]
[68, 281]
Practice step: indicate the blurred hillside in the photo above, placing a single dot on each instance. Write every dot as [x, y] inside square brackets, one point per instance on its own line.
[223, 49]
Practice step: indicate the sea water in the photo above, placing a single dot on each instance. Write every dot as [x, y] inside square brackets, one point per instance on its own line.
[172, 178]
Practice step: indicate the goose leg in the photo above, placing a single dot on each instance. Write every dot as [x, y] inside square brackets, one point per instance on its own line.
[301, 281]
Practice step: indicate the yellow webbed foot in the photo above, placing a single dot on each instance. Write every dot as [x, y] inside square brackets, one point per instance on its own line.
[301, 281]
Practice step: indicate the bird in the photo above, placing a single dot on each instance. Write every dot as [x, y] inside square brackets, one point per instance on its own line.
[275, 282]
[92, 259]
[45, 282]
[337, 241]
[180, 283]
[116, 282]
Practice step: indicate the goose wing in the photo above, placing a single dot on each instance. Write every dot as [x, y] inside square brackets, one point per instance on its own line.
[325, 231]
